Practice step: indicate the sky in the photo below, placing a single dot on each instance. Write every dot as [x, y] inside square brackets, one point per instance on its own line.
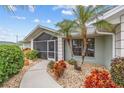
[24, 19]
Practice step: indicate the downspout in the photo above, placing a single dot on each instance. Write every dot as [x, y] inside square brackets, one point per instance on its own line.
[113, 40]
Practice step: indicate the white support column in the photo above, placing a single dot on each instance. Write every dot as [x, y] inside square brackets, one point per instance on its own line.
[122, 36]
[60, 48]
[32, 44]
[120, 39]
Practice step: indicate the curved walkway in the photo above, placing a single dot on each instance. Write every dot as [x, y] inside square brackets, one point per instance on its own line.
[37, 77]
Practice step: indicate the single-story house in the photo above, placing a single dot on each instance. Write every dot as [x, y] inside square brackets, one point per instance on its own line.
[102, 46]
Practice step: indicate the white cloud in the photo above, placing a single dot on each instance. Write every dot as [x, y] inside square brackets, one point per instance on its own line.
[20, 17]
[67, 12]
[63, 7]
[48, 21]
[31, 8]
[36, 20]
[7, 35]
[66, 9]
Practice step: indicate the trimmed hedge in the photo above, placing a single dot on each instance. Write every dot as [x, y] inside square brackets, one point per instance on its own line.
[11, 61]
[117, 71]
[31, 54]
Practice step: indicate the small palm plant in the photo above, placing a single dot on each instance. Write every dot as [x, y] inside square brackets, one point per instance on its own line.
[65, 29]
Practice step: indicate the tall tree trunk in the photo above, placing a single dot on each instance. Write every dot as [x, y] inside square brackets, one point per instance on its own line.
[84, 42]
[69, 44]
[72, 54]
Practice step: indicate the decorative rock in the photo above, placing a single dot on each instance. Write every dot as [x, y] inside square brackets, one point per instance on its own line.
[73, 78]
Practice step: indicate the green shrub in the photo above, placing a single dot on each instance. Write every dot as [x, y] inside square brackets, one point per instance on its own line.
[11, 61]
[32, 54]
[72, 61]
[117, 71]
[51, 64]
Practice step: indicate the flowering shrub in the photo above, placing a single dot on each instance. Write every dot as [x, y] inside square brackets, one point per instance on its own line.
[117, 71]
[62, 64]
[99, 79]
[59, 68]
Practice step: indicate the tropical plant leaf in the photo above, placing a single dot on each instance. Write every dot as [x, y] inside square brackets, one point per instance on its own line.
[104, 25]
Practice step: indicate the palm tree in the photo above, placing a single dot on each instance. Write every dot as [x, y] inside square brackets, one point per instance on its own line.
[65, 28]
[84, 14]
[11, 8]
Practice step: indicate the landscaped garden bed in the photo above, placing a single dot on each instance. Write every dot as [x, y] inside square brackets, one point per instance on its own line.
[91, 75]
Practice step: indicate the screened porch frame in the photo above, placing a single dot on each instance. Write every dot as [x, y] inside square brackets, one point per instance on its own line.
[47, 51]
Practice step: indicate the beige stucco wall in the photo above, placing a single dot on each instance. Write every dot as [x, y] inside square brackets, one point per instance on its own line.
[108, 50]
[99, 50]
[103, 51]
[27, 45]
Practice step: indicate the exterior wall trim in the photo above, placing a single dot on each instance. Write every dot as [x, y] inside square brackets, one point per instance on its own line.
[32, 44]
[60, 48]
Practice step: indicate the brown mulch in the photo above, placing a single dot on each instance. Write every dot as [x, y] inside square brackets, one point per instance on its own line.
[73, 78]
[14, 82]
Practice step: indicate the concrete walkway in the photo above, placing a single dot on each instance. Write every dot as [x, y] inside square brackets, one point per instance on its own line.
[37, 77]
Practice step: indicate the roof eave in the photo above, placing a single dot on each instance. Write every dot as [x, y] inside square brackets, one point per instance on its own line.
[38, 27]
[108, 14]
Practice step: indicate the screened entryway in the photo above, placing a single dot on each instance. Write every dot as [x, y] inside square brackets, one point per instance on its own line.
[47, 46]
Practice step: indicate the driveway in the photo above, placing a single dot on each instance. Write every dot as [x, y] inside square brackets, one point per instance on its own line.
[37, 77]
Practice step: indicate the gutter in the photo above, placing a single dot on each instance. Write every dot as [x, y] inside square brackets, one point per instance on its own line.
[113, 40]
[108, 14]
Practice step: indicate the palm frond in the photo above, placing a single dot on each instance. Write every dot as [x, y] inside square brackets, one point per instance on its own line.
[104, 25]
[115, 27]
[84, 13]
[89, 12]
[65, 27]
[10, 8]
[79, 13]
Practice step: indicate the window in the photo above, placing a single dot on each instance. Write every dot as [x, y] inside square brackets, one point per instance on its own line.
[90, 47]
[77, 47]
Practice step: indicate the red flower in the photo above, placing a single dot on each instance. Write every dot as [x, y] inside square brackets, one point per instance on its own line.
[99, 79]
[59, 68]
